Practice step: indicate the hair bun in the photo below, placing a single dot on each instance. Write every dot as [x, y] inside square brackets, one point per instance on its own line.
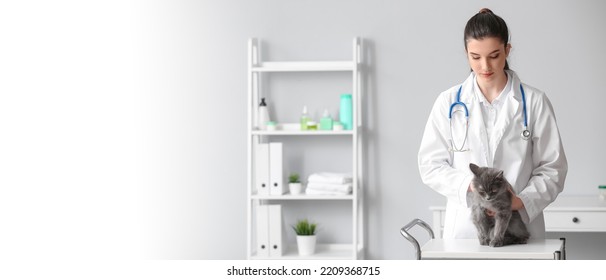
[485, 11]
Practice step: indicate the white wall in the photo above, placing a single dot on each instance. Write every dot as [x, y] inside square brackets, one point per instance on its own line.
[174, 124]
[196, 59]
[68, 132]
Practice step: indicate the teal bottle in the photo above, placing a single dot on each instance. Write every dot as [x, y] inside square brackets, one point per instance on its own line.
[346, 111]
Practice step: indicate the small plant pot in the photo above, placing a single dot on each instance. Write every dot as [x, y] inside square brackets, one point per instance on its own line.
[295, 188]
[306, 244]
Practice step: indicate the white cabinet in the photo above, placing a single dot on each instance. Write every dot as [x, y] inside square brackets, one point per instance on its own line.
[576, 214]
[288, 131]
[565, 214]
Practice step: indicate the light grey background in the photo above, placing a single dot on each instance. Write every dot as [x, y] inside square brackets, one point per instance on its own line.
[124, 123]
[196, 85]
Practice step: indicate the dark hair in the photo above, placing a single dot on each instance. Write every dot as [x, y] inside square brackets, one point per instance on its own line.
[486, 24]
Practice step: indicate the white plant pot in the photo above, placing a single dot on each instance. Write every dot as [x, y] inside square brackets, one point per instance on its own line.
[306, 244]
[295, 188]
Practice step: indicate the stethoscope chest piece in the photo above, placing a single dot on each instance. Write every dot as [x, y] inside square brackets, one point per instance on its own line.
[526, 134]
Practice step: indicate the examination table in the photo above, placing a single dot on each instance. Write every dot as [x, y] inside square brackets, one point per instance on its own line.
[539, 249]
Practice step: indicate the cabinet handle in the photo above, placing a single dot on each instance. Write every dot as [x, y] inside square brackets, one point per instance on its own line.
[262, 246]
[575, 220]
[263, 185]
[275, 246]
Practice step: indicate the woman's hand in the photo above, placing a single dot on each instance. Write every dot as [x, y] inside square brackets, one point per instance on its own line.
[516, 202]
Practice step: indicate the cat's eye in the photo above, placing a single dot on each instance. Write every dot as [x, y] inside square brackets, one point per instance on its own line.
[495, 190]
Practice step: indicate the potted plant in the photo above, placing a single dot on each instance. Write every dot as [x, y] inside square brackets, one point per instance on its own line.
[306, 237]
[294, 184]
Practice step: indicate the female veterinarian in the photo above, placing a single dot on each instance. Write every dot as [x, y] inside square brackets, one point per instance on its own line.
[492, 119]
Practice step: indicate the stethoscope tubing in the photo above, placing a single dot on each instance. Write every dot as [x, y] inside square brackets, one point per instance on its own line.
[458, 102]
[524, 107]
[525, 133]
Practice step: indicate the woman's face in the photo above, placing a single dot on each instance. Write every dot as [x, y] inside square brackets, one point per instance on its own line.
[487, 57]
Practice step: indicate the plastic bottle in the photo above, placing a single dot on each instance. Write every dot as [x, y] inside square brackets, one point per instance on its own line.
[346, 112]
[263, 115]
[326, 121]
[304, 118]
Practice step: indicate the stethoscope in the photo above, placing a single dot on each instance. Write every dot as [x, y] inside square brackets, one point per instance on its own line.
[525, 133]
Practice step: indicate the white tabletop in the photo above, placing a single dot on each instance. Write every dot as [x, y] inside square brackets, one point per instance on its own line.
[471, 249]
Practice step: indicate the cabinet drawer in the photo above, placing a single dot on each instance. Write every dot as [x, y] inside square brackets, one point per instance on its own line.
[575, 221]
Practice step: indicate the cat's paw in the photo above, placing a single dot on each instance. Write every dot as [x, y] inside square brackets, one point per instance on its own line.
[496, 243]
[484, 241]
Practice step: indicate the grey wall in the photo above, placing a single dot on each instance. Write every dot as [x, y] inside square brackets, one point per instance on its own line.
[194, 81]
[124, 123]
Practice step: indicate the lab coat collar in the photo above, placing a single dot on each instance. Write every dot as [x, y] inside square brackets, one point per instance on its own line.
[467, 89]
[468, 85]
[502, 95]
[515, 85]
[511, 107]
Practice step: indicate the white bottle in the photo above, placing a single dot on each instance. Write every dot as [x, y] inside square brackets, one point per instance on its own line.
[263, 115]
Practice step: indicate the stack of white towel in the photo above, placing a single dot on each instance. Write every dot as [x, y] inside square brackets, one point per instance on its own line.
[329, 183]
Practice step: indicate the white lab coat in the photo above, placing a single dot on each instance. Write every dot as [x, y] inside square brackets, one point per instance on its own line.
[536, 168]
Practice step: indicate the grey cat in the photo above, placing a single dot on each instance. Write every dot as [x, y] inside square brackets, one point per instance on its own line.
[492, 193]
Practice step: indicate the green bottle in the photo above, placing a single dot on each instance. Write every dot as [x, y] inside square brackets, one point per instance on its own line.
[326, 121]
[346, 111]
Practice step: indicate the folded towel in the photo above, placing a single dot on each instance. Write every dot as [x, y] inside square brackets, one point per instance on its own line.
[321, 192]
[334, 188]
[328, 177]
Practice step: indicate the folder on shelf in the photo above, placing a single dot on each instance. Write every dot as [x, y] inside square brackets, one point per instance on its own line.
[276, 177]
[262, 169]
[276, 246]
[262, 231]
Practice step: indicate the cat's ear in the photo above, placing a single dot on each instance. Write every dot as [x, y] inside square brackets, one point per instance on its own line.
[500, 175]
[474, 168]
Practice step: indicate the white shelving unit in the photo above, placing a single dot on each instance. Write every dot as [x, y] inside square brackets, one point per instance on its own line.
[256, 68]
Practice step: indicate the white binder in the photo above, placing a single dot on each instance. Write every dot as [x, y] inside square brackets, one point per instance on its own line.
[276, 247]
[276, 177]
[262, 169]
[263, 231]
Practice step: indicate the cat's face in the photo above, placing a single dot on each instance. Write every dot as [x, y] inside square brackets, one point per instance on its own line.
[488, 182]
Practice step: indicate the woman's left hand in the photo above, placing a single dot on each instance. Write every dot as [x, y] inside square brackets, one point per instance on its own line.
[516, 202]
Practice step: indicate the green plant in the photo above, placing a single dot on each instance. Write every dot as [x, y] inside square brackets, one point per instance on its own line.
[294, 178]
[304, 227]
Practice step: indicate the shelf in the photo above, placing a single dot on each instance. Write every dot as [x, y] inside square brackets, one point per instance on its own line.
[303, 66]
[265, 219]
[288, 196]
[302, 132]
[323, 252]
[293, 129]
